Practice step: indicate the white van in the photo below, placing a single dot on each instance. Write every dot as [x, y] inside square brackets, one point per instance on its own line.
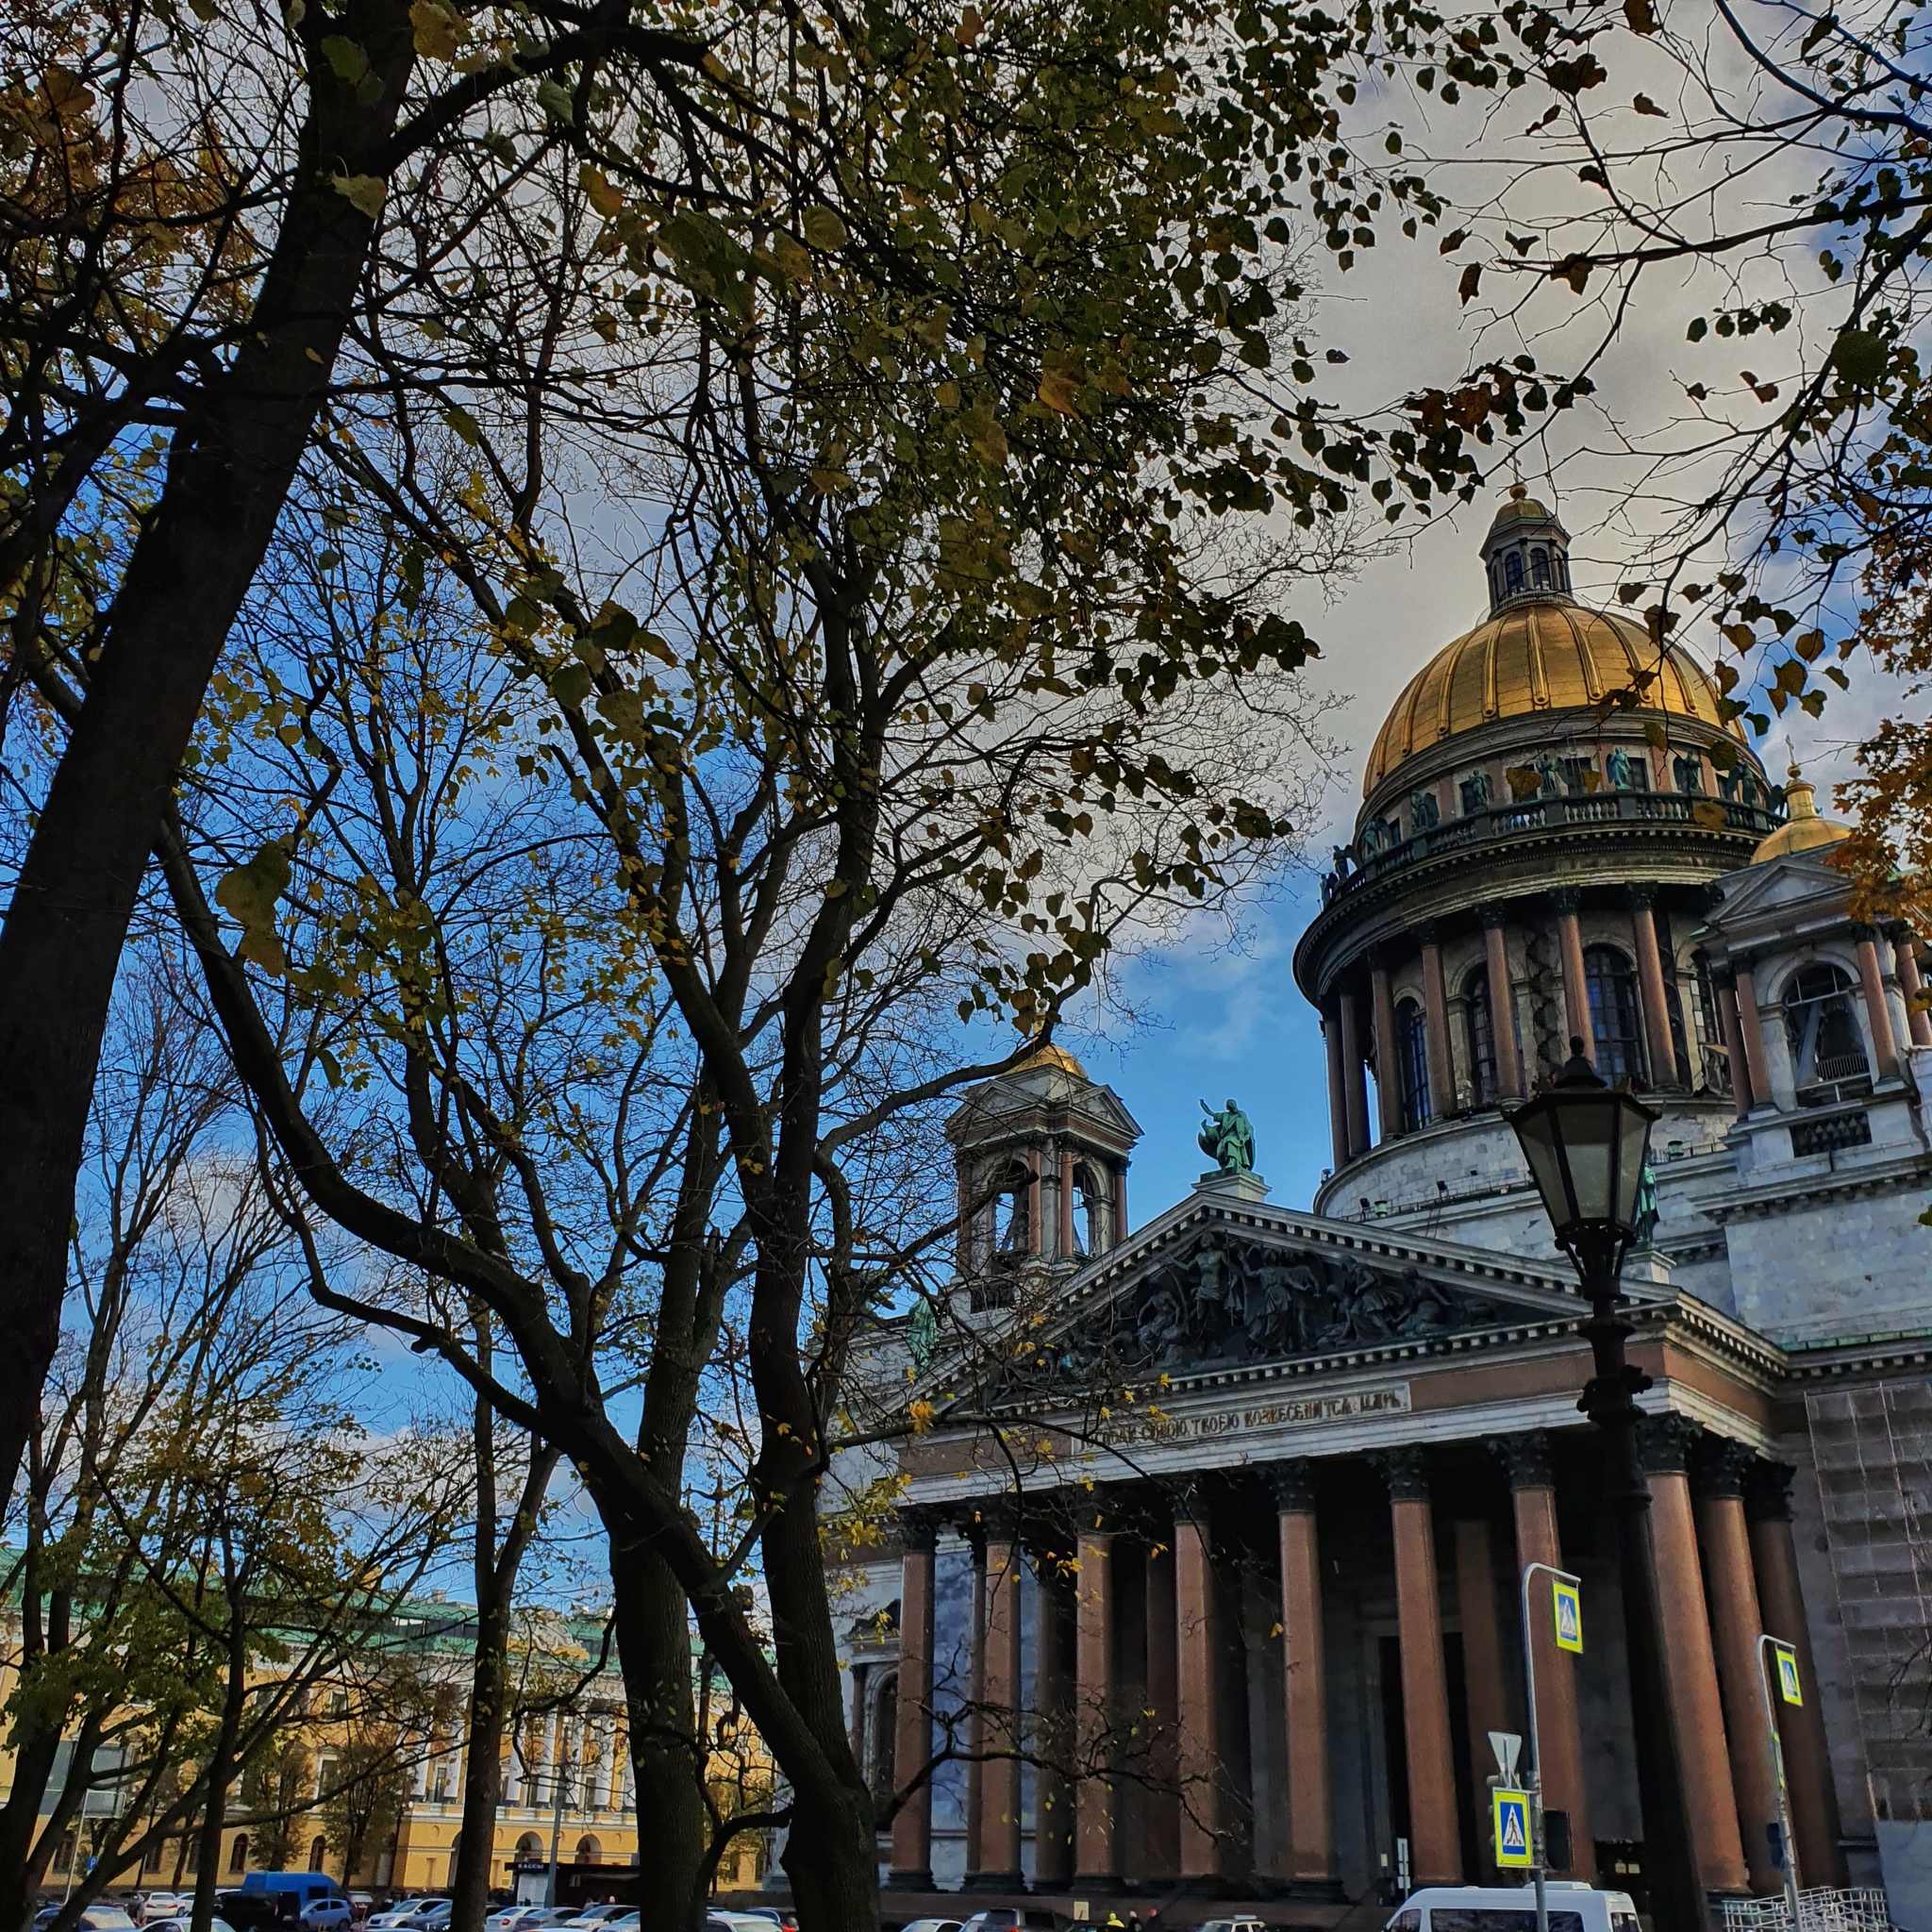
[1574, 1906]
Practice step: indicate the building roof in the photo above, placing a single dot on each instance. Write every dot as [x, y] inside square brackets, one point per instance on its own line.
[1546, 655]
[1805, 830]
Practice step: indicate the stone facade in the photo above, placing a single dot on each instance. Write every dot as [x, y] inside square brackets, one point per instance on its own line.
[1214, 1550]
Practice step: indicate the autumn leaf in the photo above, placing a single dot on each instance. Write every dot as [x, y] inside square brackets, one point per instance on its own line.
[1472, 280]
[1059, 391]
[823, 229]
[1644, 105]
[439, 30]
[598, 190]
[1709, 813]
[1574, 76]
[1641, 15]
[364, 192]
[248, 894]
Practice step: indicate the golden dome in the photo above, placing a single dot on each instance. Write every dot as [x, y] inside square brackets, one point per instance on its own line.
[1804, 830]
[1542, 655]
[1052, 1056]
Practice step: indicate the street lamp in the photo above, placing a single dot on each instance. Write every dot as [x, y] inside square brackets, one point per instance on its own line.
[1586, 1143]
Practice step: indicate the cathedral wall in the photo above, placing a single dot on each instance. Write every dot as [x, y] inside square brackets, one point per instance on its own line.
[1821, 1264]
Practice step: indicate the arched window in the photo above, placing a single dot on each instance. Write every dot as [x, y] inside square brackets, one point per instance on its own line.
[1540, 569]
[1613, 1014]
[589, 1850]
[1412, 1061]
[1512, 572]
[318, 1854]
[238, 1859]
[63, 1853]
[529, 1846]
[1093, 1228]
[1827, 1047]
[1012, 1233]
[1482, 1038]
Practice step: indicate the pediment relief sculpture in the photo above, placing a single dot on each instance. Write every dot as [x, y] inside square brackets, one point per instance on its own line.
[1228, 1300]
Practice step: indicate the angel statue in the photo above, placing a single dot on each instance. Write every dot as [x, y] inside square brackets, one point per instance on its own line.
[1229, 1137]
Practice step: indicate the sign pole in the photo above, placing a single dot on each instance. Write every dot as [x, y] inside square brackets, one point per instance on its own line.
[1784, 1665]
[1564, 1594]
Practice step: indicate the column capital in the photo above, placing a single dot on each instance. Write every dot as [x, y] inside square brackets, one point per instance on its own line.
[1566, 899]
[1721, 1466]
[1526, 1458]
[1664, 1443]
[998, 1519]
[1191, 1506]
[1639, 897]
[1294, 1486]
[919, 1529]
[1723, 978]
[1427, 932]
[1492, 915]
[1767, 1492]
[1862, 930]
[1743, 962]
[1899, 931]
[1407, 1472]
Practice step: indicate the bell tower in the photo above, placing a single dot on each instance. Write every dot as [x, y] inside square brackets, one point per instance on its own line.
[1527, 553]
[1041, 1155]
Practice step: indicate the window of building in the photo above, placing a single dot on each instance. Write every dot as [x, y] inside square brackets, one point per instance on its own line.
[1580, 776]
[1686, 770]
[1540, 569]
[1512, 572]
[238, 1859]
[1611, 981]
[1827, 1047]
[318, 1853]
[1482, 1038]
[1712, 1054]
[1412, 1059]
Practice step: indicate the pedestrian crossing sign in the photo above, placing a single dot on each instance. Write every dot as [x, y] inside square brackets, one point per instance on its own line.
[1514, 1845]
[1569, 1608]
[1788, 1685]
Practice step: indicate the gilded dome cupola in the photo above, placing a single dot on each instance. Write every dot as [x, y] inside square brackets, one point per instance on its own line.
[1527, 553]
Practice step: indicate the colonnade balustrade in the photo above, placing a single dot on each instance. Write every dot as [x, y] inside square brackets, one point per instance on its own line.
[1112, 1749]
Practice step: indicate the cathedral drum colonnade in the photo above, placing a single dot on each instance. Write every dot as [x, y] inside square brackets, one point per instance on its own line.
[1212, 1585]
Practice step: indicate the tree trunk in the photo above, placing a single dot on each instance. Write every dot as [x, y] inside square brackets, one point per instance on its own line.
[482, 1767]
[229, 471]
[666, 1754]
[37, 1747]
[831, 1853]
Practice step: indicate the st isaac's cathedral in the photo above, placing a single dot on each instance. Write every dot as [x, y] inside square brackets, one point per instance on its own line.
[1222, 1600]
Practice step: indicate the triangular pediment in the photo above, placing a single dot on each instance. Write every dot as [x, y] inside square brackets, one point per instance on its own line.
[1211, 1286]
[1798, 882]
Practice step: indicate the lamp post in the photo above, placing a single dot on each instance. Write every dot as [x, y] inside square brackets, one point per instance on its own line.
[1585, 1143]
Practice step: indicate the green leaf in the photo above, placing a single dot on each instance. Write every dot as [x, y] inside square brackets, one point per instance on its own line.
[463, 424]
[364, 192]
[349, 59]
[823, 229]
[556, 101]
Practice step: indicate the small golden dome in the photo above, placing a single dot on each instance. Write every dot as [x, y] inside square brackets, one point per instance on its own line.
[1052, 1056]
[1542, 655]
[1804, 829]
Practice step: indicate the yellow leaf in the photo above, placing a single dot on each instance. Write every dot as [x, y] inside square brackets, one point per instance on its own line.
[597, 187]
[248, 894]
[364, 192]
[1058, 390]
[439, 30]
[1709, 813]
[970, 27]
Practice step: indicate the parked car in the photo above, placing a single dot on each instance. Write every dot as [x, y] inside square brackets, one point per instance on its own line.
[1574, 1906]
[781, 1916]
[603, 1918]
[1015, 1919]
[717, 1920]
[525, 1917]
[392, 1914]
[1234, 1925]
[430, 1915]
[182, 1923]
[97, 1918]
[933, 1925]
